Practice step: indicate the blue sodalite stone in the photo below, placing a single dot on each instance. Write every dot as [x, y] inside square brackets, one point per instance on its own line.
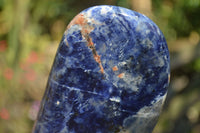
[110, 75]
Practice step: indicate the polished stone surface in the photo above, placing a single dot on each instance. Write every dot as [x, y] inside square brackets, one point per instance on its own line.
[110, 74]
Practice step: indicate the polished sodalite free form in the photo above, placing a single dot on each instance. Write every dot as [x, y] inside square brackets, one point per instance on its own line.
[110, 74]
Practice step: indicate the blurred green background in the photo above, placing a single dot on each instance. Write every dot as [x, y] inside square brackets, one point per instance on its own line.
[30, 31]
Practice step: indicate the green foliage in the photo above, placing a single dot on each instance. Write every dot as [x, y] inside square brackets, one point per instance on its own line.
[197, 65]
[123, 3]
[181, 16]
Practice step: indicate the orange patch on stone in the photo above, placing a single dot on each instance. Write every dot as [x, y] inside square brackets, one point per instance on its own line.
[90, 43]
[78, 20]
[98, 60]
[85, 31]
[121, 75]
[115, 68]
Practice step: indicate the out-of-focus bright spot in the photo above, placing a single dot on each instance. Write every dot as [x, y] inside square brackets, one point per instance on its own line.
[30, 75]
[33, 111]
[176, 107]
[194, 38]
[8, 73]
[3, 45]
[180, 83]
[4, 114]
[33, 57]
[193, 114]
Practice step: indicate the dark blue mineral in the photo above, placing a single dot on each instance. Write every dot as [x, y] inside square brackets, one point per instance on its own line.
[110, 75]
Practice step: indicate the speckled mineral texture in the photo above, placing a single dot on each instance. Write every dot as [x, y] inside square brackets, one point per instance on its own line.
[110, 74]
